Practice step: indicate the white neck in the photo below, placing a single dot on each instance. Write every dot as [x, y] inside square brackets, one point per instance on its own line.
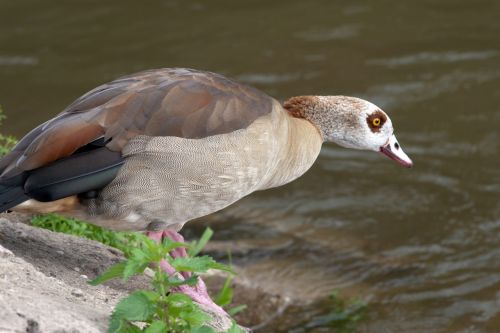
[302, 144]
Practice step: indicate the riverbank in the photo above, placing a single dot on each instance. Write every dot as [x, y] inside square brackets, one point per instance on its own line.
[44, 275]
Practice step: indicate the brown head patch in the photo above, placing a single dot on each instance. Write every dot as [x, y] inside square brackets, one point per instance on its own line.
[376, 120]
[300, 106]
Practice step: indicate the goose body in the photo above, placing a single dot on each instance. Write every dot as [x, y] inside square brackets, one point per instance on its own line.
[153, 150]
[167, 181]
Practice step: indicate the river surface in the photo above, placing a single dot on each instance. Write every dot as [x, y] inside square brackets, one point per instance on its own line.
[421, 245]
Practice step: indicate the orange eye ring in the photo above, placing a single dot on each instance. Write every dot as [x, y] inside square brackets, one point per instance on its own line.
[376, 122]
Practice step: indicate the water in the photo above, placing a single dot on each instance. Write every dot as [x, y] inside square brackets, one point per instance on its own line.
[421, 245]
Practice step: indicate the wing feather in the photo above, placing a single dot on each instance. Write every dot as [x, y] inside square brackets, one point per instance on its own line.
[165, 102]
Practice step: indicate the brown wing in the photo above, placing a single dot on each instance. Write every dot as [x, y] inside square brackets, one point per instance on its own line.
[164, 102]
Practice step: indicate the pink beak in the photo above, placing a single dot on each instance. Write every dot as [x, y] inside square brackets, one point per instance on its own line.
[393, 150]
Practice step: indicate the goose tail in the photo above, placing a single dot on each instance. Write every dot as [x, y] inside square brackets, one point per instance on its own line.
[12, 192]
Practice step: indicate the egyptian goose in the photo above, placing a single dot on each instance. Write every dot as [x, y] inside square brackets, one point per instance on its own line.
[153, 150]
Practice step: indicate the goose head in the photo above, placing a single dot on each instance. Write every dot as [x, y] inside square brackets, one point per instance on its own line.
[350, 122]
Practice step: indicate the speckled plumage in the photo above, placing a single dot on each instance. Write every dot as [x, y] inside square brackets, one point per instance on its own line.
[167, 181]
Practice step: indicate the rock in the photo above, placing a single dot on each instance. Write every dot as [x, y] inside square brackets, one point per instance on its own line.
[41, 291]
[31, 300]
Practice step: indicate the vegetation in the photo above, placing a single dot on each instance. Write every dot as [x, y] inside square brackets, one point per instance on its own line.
[124, 241]
[158, 309]
[161, 309]
[7, 142]
[344, 315]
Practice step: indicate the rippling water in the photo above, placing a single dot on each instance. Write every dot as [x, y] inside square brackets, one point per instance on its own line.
[421, 245]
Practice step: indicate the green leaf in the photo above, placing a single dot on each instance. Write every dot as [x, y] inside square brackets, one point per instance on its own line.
[236, 309]
[198, 246]
[202, 329]
[168, 245]
[153, 296]
[152, 250]
[139, 255]
[222, 267]
[179, 303]
[225, 296]
[115, 324]
[179, 300]
[175, 282]
[133, 267]
[195, 317]
[135, 307]
[197, 264]
[156, 326]
[114, 271]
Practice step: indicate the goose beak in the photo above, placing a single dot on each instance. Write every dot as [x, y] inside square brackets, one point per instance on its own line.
[393, 150]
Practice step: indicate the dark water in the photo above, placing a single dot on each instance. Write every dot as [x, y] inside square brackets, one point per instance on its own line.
[421, 245]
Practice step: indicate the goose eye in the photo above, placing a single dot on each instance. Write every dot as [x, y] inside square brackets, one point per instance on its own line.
[376, 120]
